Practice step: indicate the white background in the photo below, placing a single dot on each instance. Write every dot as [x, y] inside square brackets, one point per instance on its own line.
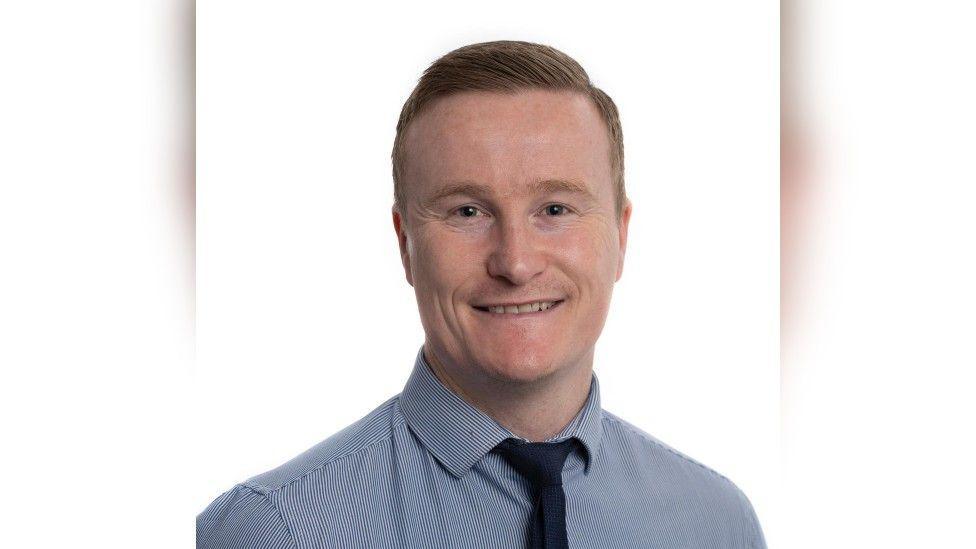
[305, 320]
[96, 274]
[114, 436]
[879, 348]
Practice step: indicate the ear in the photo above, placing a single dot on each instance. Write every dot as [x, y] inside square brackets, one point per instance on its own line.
[623, 225]
[401, 233]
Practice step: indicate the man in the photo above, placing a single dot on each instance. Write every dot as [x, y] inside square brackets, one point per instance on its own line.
[512, 219]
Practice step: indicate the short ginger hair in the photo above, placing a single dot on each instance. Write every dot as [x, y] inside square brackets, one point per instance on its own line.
[506, 66]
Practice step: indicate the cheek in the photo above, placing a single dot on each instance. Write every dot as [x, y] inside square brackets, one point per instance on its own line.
[590, 256]
[443, 262]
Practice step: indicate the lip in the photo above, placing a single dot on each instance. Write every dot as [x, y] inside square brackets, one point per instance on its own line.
[524, 316]
[486, 305]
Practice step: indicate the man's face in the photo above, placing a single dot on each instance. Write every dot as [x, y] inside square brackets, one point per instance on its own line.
[510, 202]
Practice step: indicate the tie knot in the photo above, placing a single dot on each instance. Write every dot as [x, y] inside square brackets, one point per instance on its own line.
[540, 462]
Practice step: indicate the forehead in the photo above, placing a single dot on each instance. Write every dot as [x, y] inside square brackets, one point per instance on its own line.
[508, 140]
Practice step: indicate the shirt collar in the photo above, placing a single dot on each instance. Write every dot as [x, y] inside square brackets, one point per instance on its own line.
[459, 435]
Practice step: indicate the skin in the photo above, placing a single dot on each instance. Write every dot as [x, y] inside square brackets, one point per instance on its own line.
[533, 219]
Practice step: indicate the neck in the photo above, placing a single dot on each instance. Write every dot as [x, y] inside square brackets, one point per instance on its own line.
[535, 411]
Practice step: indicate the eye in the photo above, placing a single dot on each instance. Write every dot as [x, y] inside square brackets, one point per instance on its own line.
[555, 210]
[468, 211]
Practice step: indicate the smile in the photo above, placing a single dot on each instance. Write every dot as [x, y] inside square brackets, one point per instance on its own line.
[522, 309]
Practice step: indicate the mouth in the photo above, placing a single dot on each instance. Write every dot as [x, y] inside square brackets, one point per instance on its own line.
[520, 309]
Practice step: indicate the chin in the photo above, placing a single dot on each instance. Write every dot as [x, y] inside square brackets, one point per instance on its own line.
[519, 366]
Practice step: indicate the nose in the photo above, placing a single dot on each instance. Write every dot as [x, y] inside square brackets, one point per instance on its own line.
[515, 254]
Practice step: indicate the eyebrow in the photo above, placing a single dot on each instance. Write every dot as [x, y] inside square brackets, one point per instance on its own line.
[547, 186]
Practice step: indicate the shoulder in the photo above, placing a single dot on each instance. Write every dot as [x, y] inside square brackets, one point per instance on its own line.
[256, 510]
[676, 475]
[359, 438]
[242, 517]
[631, 436]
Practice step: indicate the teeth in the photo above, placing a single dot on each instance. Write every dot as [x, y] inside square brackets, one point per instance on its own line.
[519, 309]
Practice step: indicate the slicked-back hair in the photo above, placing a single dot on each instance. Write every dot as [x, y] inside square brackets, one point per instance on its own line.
[506, 66]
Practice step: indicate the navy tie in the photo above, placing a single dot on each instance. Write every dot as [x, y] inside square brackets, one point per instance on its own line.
[541, 463]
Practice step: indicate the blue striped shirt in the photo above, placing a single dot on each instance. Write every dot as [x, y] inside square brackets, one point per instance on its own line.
[418, 471]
